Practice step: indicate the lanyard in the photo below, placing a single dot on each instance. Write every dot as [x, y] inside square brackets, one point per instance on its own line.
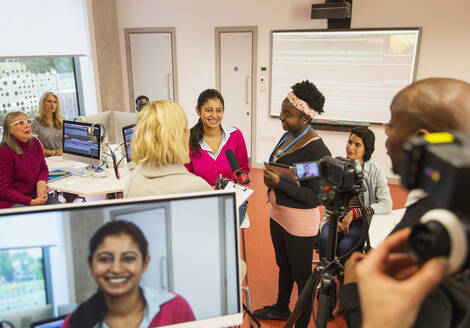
[289, 145]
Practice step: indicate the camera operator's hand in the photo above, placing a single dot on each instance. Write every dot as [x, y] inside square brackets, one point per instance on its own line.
[350, 275]
[393, 286]
[271, 179]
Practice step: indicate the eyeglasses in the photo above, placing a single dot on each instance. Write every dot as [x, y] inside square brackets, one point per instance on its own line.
[22, 123]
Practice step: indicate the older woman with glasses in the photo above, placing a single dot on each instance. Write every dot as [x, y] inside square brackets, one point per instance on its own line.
[23, 168]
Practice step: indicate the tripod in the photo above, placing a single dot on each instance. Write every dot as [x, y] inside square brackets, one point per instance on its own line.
[327, 269]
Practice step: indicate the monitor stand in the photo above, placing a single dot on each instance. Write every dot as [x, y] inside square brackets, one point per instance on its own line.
[131, 166]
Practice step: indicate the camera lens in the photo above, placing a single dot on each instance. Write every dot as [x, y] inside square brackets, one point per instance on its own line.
[430, 240]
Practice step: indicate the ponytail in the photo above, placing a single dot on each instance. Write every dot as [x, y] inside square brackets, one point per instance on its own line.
[196, 135]
[90, 313]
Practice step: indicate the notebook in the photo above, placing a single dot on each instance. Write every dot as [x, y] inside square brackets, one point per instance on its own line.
[58, 174]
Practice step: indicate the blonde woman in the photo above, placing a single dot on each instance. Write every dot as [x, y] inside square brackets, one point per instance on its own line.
[48, 125]
[160, 148]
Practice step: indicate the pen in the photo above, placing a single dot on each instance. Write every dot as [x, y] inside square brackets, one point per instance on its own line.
[58, 173]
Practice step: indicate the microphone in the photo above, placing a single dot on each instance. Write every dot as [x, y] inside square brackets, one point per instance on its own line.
[237, 173]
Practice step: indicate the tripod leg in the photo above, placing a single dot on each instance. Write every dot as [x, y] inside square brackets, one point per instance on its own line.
[304, 297]
[326, 300]
[323, 310]
[252, 318]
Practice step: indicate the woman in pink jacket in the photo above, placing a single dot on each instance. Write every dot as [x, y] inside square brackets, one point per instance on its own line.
[209, 140]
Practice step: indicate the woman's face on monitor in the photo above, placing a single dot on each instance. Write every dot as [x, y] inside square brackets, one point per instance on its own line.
[117, 265]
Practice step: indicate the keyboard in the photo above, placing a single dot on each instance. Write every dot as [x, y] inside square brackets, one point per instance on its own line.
[82, 172]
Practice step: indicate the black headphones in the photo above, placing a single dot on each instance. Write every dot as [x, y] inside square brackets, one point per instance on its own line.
[102, 132]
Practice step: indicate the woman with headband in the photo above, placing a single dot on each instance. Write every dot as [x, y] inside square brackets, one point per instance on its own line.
[295, 216]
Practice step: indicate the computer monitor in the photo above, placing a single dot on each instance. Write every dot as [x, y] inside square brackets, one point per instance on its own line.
[122, 119]
[49, 323]
[127, 133]
[104, 119]
[194, 254]
[23, 318]
[81, 142]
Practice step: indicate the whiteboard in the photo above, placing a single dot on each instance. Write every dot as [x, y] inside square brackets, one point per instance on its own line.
[358, 71]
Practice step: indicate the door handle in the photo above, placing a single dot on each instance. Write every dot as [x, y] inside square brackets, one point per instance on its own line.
[170, 87]
[248, 90]
[163, 272]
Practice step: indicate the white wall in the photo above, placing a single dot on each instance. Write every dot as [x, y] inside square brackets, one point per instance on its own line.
[444, 48]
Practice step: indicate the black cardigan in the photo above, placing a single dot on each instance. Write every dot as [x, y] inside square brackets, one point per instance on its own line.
[303, 196]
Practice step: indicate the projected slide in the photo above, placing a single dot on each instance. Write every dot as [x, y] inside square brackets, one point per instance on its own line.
[359, 72]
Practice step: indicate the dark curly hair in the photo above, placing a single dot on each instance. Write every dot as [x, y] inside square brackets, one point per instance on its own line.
[197, 130]
[368, 139]
[93, 311]
[308, 92]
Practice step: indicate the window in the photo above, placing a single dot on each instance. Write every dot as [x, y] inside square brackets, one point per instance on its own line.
[22, 279]
[24, 80]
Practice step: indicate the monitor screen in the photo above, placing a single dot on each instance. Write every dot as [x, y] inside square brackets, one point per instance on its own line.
[357, 70]
[49, 323]
[81, 142]
[122, 119]
[127, 133]
[192, 258]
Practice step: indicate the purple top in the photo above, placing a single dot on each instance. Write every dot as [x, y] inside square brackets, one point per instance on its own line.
[209, 168]
[20, 173]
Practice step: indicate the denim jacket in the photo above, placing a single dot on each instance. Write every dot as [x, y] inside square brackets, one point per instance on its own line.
[377, 193]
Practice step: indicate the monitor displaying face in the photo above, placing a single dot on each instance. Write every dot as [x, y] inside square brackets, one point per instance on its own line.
[160, 247]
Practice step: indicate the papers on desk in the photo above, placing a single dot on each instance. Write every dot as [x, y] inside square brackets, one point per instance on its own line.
[58, 174]
[241, 192]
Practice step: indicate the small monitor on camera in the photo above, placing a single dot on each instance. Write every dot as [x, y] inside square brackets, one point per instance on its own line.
[307, 170]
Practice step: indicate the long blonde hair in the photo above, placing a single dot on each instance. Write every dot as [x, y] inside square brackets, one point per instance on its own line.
[57, 118]
[8, 140]
[160, 137]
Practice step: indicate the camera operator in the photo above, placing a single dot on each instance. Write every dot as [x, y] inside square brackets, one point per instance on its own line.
[393, 286]
[430, 105]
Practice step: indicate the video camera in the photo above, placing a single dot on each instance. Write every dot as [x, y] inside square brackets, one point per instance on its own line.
[439, 164]
[336, 177]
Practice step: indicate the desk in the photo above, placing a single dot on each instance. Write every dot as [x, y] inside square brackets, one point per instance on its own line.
[382, 224]
[85, 186]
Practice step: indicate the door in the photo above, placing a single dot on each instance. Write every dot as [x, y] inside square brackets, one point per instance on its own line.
[153, 223]
[151, 65]
[236, 80]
